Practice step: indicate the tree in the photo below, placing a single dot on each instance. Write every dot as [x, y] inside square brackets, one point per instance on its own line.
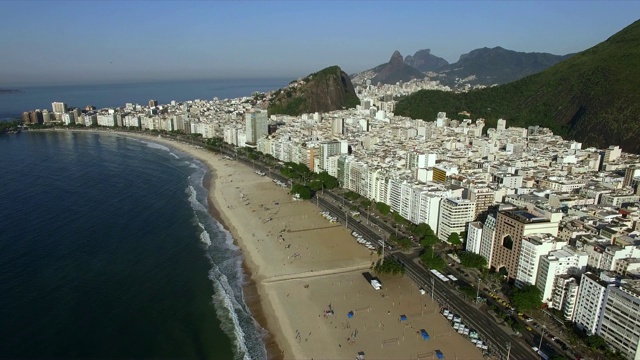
[471, 260]
[432, 260]
[454, 239]
[595, 342]
[383, 208]
[329, 181]
[527, 298]
[429, 240]
[389, 266]
[303, 191]
[423, 230]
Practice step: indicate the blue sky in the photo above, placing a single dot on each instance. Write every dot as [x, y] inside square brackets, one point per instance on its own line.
[109, 41]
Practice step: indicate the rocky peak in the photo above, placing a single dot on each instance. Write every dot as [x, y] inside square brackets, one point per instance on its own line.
[396, 58]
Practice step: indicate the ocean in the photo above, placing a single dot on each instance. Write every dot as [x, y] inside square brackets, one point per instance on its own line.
[12, 105]
[107, 250]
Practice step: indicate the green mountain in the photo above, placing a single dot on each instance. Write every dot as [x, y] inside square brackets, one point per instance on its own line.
[395, 70]
[593, 97]
[487, 66]
[326, 90]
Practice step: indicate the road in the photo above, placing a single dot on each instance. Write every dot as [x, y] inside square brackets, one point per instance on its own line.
[488, 330]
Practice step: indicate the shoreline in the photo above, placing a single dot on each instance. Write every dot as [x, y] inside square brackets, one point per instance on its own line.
[304, 275]
[251, 294]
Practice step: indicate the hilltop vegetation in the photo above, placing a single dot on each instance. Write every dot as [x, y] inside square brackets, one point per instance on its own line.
[323, 91]
[592, 97]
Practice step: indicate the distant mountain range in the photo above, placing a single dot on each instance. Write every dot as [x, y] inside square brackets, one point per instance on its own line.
[592, 97]
[485, 66]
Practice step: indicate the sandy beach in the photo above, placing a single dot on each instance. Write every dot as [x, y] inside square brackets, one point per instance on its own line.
[303, 266]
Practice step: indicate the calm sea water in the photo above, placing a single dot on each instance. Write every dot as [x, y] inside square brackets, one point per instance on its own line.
[107, 250]
[117, 95]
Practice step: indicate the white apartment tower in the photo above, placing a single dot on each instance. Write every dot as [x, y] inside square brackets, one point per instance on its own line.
[474, 237]
[59, 107]
[591, 298]
[454, 216]
[619, 322]
[487, 238]
[532, 248]
[564, 261]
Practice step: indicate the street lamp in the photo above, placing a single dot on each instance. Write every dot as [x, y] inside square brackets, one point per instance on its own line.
[508, 349]
[541, 336]
[478, 291]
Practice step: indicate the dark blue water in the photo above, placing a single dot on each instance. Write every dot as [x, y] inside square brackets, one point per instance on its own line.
[117, 95]
[107, 250]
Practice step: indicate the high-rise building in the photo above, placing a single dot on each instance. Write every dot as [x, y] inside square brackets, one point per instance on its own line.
[338, 127]
[619, 322]
[59, 107]
[256, 125]
[532, 248]
[474, 237]
[153, 103]
[511, 227]
[455, 214]
[328, 149]
[591, 298]
[484, 198]
[559, 262]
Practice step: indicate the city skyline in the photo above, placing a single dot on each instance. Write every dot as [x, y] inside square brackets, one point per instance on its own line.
[102, 42]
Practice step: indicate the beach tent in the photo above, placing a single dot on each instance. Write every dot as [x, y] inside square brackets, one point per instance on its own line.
[425, 334]
[360, 355]
[439, 354]
[350, 314]
[403, 317]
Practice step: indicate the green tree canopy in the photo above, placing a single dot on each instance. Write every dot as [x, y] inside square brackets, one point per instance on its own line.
[528, 297]
[471, 260]
[389, 266]
[329, 181]
[429, 240]
[304, 191]
[595, 342]
[383, 208]
[432, 260]
[454, 239]
[423, 230]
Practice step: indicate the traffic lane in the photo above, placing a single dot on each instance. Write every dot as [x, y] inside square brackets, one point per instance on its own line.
[359, 227]
[487, 329]
[496, 341]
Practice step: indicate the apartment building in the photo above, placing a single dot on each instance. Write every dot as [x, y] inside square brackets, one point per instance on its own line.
[454, 216]
[567, 260]
[532, 248]
[619, 322]
[592, 294]
[511, 227]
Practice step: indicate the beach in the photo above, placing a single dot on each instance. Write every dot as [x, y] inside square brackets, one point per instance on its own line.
[311, 294]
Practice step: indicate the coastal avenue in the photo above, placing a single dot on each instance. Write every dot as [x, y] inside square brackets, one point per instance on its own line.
[495, 336]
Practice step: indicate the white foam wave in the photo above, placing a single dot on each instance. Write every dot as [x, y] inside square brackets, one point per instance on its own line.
[156, 146]
[205, 238]
[227, 309]
[174, 155]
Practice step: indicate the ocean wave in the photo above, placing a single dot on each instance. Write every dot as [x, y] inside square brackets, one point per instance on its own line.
[156, 146]
[227, 276]
[174, 155]
[227, 309]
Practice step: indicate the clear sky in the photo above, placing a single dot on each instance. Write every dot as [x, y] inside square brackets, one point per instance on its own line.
[108, 41]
